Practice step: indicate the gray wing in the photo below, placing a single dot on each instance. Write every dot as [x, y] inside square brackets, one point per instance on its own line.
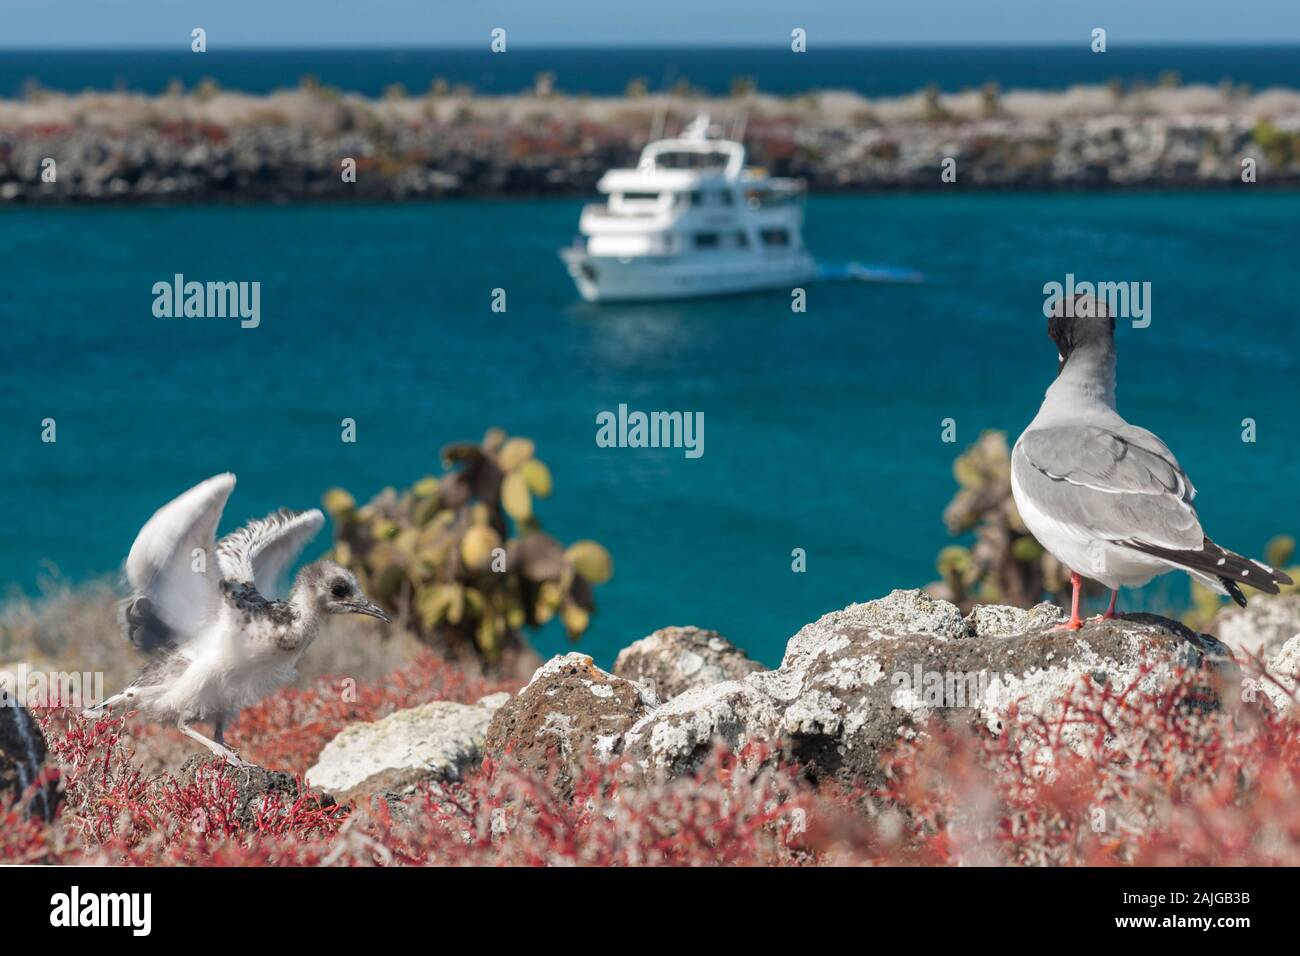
[261, 551]
[1121, 484]
[173, 592]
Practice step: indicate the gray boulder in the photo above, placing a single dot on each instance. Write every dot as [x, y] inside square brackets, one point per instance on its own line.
[673, 660]
[1000, 620]
[856, 684]
[570, 710]
[22, 757]
[855, 681]
[1285, 666]
[434, 742]
[1266, 624]
[675, 737]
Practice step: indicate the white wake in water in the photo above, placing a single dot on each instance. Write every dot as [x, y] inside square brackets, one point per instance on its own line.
[859, 272]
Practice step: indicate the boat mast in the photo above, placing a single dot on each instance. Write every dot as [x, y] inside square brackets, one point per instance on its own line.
[739, 125]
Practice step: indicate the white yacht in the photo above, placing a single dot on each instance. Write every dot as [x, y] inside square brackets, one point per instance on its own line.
[690, 220]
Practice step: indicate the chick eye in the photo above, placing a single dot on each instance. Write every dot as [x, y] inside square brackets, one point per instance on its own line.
[339, 590]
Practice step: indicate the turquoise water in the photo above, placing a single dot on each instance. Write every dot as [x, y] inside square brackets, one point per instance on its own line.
[871, 71]
[822, 430]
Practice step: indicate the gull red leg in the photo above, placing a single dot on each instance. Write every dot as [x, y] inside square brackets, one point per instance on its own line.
[1110, 614]
[1075, 622]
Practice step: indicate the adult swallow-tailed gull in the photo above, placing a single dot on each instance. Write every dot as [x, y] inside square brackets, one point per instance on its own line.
[205, 610]
[1106, 498]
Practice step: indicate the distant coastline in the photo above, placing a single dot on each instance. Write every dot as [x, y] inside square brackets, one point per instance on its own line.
[208, 144]
[869, 71]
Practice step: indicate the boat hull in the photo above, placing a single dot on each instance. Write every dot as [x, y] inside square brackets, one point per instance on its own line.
[648, 279]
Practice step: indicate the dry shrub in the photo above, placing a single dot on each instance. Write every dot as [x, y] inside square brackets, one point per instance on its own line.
[74, 627]
[1115, 776]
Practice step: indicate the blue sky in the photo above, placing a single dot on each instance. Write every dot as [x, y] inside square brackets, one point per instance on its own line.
[27, 24]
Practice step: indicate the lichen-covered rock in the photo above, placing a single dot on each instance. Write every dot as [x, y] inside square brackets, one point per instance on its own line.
[1266, 624]
[863, 689]
[673, 738]
[853, 683]
[22, 756]
[569, 710]
[901, 612]
[673, 660]
[1285, 666]
[857, 680]
[434, 742]
[1001, 620]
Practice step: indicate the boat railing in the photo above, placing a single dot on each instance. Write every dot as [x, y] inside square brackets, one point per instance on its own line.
[602, 211]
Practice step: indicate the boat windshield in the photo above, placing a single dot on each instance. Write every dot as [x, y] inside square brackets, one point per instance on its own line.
[767, 198]
[692, 160]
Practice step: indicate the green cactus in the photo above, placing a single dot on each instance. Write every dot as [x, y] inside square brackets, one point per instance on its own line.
[1005, 564]
[934, 110]
[991, 100]
[1279, 146]
[461, 557]
[537, 477]
[1279, 551]
[591, 560]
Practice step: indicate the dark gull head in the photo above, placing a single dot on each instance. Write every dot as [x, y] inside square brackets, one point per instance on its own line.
[1083, 324]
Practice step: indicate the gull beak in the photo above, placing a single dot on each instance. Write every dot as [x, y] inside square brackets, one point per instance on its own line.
[370, 609]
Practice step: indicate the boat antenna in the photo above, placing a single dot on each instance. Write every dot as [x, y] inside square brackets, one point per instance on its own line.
[657, 123]
[739, 125]
[661, 104]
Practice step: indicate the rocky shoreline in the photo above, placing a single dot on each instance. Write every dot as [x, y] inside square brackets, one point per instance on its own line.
[293, 145]
[1111, 744]
[851, 686]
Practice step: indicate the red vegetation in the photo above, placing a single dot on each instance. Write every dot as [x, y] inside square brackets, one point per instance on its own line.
[1118, 776]
[288, 730]
[187, 133]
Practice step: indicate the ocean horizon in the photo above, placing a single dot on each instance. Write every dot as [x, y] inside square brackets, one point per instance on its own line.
[606, 71]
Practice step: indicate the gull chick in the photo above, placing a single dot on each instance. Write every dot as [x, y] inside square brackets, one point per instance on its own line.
[1108, 499]
[205, 610]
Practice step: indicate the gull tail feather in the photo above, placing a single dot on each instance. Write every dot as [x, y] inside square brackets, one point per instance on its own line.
[1227, 566]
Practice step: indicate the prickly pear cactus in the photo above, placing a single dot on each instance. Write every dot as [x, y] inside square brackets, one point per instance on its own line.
[1005, 564]
[461, 558]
